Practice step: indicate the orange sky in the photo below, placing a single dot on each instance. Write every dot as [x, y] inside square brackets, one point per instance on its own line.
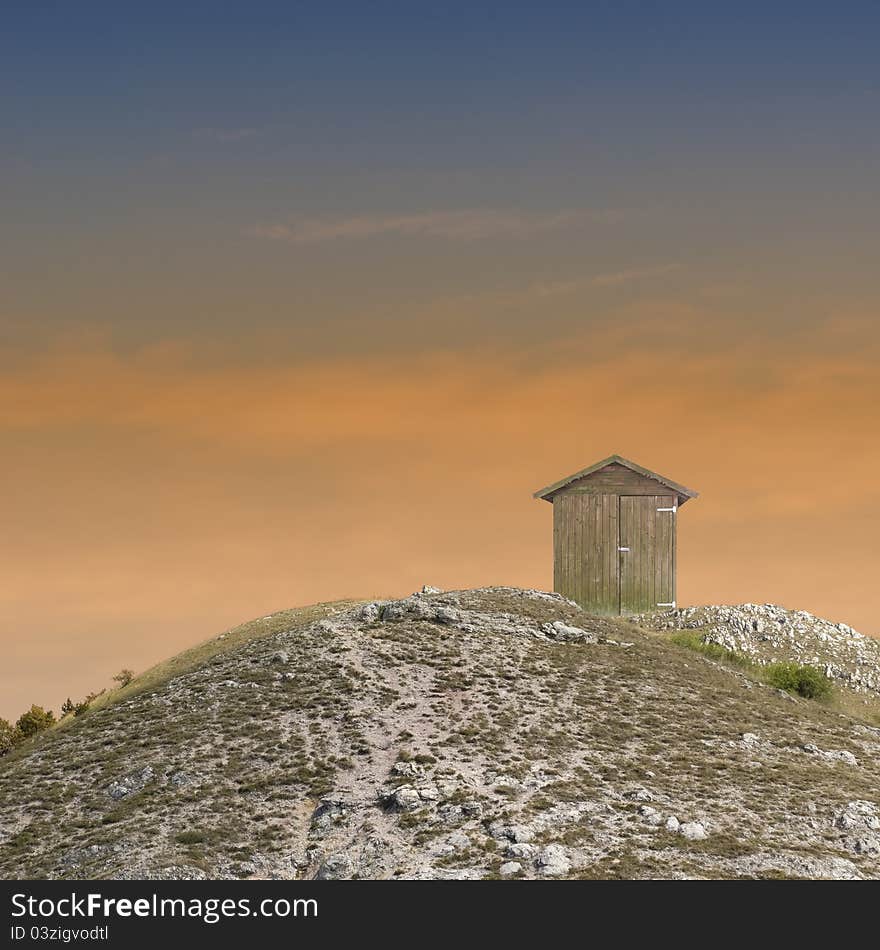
[153, 499]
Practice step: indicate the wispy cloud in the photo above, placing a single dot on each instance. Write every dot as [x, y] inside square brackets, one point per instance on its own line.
[224, 135]
[463, 225]
[616, 278]
[537, 290]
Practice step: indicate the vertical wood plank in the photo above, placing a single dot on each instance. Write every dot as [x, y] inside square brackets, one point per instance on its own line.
[602, 551]
[650, 515]
[579, 567]
[626, 560]
[572, 550]
[557, 548]
[662, 520]
[614, 590]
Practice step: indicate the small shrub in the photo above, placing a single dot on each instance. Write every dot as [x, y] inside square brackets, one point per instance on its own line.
[123, 677]
[67, 707]
[8, 737]
[80, 708]
[798, 678]
[35, 720]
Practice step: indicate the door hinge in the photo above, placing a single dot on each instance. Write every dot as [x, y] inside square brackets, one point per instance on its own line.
[673, 509]
[672, 604]
[623, 549]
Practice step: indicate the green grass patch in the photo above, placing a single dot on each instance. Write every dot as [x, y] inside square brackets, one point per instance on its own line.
[694, 641]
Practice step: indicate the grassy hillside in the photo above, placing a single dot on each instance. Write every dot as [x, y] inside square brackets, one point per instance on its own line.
[473, 734]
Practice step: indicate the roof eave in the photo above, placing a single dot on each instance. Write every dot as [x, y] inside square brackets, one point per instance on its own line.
[683, 493]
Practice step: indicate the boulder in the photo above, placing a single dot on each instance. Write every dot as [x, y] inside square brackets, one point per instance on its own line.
[693, 831]
[553, 861]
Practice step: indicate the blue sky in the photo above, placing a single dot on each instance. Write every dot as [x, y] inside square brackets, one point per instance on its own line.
[151, 142]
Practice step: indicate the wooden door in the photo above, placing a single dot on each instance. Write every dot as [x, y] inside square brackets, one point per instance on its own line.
[585, 559]
[647, 552]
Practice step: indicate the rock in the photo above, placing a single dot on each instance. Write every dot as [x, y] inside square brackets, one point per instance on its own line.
[639, 795]
[133, 782]
[407, 768]
[521, 850]
[458, 841]
[509, 868]
[179, 779]
[749, 738]
[858, 814]
[651, 815]
[831, 755]
[672, 824]
[520, 833]
[369, 612]
[336, 867]
[412, 608]
[279, 656]
[553, 861]
[866, 845]
[328, 813]
[562, 631]
[446, 615]
[693, 831]
[406, 798]
[450, 814]
[427, 589]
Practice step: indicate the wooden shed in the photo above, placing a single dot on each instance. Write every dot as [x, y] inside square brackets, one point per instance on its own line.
[614, 528]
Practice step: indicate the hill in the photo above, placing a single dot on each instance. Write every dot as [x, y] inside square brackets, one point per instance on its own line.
[468, 734]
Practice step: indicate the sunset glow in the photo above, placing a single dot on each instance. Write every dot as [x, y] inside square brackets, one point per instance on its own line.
[301, 307]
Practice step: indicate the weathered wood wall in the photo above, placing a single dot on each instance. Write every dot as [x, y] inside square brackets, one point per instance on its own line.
[589, 528]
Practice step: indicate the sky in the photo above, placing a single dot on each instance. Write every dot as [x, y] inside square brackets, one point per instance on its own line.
[303, 301]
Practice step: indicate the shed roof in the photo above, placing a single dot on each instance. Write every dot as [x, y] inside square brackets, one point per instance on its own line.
[683, 493]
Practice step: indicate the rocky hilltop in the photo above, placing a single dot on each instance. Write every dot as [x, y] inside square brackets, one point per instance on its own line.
[469, 734]
[766, 634]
